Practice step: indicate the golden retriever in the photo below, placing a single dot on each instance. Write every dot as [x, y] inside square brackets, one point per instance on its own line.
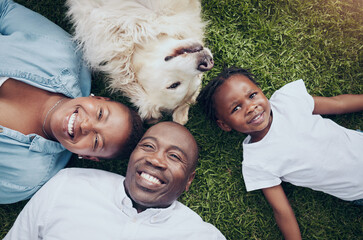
[151, 50]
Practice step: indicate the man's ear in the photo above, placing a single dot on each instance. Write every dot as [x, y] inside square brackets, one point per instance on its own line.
[224, 126]
[190, 180]
[96, 159]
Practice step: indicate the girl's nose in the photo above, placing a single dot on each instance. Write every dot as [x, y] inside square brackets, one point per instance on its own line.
[251, 108]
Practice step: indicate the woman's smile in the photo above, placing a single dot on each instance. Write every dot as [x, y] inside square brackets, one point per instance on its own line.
[71, 121]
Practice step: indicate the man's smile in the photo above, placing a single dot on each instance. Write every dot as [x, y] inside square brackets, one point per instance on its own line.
[150, 181]
[150, 178]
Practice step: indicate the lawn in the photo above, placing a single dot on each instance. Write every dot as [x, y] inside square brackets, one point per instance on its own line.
[320, 41]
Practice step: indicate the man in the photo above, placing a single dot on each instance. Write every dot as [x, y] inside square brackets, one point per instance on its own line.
[94, 204]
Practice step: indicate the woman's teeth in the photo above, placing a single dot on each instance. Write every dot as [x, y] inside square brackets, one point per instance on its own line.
[150, 178]
[71, 124]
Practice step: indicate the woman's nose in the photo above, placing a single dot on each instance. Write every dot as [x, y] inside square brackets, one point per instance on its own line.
[86, 126]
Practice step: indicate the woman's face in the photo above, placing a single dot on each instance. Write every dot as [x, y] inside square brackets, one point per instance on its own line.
[92, 127]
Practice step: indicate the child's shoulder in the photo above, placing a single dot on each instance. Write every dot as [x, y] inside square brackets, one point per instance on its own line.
[297, 85]
[294, 89]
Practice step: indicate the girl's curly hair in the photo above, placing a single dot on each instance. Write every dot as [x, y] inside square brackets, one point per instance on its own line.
[206, 98]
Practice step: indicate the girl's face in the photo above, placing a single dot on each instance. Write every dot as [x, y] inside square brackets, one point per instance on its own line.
[91, 126]
[241, 105]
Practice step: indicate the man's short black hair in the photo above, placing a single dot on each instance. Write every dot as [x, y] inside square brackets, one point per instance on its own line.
[206, 98]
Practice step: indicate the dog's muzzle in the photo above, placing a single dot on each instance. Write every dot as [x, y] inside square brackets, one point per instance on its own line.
[205, 61]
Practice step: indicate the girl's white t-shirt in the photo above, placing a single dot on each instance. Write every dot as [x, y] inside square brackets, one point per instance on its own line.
[304, 149]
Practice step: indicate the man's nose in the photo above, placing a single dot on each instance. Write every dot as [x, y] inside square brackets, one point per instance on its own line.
[157, 161]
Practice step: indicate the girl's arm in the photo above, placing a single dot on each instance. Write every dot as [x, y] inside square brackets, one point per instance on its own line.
[340, 104]
[284, 215]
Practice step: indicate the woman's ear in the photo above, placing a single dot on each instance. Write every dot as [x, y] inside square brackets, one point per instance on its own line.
[99, 97]
[92, 158]
[224, 126]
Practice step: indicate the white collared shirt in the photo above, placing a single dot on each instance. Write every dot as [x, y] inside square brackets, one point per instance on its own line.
[92, 204]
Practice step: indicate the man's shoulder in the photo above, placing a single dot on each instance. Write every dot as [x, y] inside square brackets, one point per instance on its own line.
[88, 174]
[188, 219]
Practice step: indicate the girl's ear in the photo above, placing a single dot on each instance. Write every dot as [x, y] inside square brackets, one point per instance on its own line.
[224, 126]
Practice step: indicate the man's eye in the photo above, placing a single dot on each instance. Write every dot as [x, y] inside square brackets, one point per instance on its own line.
[147, 146]
[100, 114]
[236, 108]
[175, 156]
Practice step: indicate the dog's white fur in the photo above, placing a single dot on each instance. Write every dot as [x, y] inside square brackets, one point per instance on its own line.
[151, 50]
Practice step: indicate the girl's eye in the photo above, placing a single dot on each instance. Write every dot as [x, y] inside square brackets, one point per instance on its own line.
[253, 95]
[100, 114]
[236, 108]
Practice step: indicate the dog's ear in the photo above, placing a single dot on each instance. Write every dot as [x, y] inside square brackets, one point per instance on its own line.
[139, 98]
[180, 114]
[150, 112]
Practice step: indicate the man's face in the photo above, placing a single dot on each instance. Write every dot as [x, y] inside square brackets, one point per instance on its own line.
[161, 166]
[241, 105]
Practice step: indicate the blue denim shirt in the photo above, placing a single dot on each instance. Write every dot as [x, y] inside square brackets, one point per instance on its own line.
[37, 52]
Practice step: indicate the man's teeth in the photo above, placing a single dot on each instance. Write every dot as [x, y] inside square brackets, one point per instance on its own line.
[71, 124]
[150, 178]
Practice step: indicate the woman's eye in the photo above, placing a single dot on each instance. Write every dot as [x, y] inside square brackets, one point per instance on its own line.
[100, 114]
[253, 95]
[96, 142]
[236, 108]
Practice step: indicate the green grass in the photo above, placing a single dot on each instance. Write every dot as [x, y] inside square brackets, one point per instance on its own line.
[320, 41]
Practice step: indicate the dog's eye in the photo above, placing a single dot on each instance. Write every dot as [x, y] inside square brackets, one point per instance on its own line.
[167, 58]
[174, 85]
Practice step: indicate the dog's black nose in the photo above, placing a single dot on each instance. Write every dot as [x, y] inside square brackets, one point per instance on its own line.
[206, 63]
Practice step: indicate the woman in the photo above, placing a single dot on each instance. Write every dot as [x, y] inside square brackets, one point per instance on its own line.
[45, 114]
